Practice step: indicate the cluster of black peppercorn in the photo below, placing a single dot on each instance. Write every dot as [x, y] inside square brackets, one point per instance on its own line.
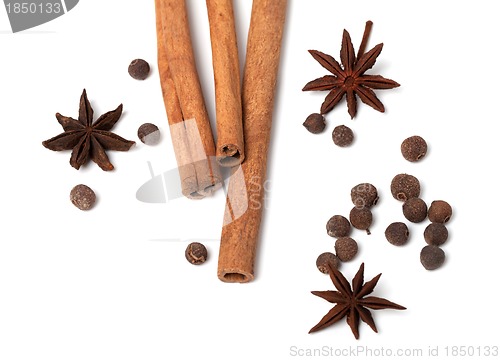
[363, 196]
[342, 135]
[406, 188]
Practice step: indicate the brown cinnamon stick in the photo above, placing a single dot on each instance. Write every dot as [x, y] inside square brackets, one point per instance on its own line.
[230, 147]
[187, 115]
[244, 204]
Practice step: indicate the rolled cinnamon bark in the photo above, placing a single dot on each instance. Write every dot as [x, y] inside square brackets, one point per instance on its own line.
[187, 115]
[244, 203]
[229, 147]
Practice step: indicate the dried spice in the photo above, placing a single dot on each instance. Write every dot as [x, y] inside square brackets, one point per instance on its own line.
[342, 136]
[82, 197]
[404, 187]
[397, 233]
[315, 123]
[350, 78]
[352, 303]
[436, 234]
[432, 257]
[346, 248]
[196, 253]
[414, 148]
[361, 218]
[338, 226]
[89, 139]
[149, 134]
[415, 210]
[325, 259]
[139, 69]
[364, 195]
[440, 211]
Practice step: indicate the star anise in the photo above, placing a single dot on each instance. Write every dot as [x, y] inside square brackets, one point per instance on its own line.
[350, 78]
[88, 138]
[352, 303]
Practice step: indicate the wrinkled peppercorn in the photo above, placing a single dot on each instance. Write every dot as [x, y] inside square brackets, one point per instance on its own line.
[397, 233]
[338, 226]
[440, 211]
[414, 148]
[139, 69]
[196, 253]
[327, 258]
[346, 248]
[361, 218]
[315, 123]
[436, 234]
[364, 195]
[415, 210]
[149, 134]
[342, 136]
[404, 187]
[82, 197]
[432, 257]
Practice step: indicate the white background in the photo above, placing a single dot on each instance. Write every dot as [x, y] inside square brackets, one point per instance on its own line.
[113, 283]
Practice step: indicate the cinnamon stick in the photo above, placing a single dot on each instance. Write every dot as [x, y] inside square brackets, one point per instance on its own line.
[187, 115]
[244, 203]
[229, 147]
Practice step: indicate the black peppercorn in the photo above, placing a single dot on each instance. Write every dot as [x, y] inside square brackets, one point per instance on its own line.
[404, 187]
[435, 234]
[196, 253]
[361, 218]
[432, 257]
[440, 211]
[346, 248]
[414, 148]
[149, 134]
[397, 233]
[139, 69]
[364, 195]
[415, 210]
[82, 197]
[338, 226]
[342, 136]
[315, 123]
[327, 258]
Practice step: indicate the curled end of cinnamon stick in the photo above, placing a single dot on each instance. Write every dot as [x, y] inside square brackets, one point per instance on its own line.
[230, 155]
[195, 195]
[189, 184]
[210, 189]
[234, 276]
[199, 191]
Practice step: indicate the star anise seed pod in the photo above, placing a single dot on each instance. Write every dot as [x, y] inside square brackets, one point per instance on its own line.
[352, 302]
[350, 78]
[88, 138]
